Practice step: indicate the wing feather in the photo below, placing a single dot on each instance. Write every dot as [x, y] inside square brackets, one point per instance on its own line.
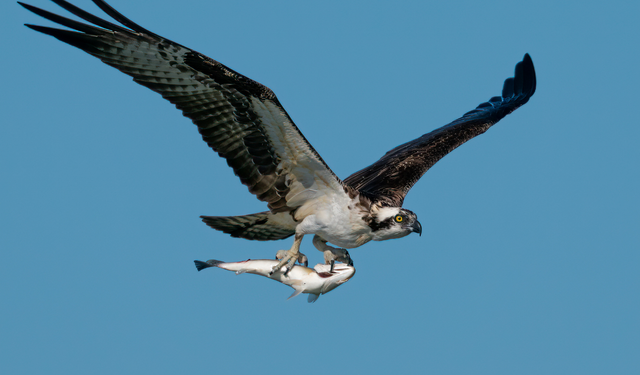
[388, 180]
[237, 117]
[261, 226]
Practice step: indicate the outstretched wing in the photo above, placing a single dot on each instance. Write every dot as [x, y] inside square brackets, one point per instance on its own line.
[388, 180]
[239, 118]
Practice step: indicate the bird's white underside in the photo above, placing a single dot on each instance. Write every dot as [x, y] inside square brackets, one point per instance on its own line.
[323, 207]
[320, 200]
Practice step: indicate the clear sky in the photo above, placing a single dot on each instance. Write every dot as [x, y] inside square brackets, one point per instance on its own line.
[529, 260]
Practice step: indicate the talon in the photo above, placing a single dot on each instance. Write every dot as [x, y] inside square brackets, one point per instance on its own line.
[302, 259]
[286, 271]
[277, 267]
[290, 264]
[348, 258]
[340, 255]
[281, 254]
[288, 259]
[333, 263]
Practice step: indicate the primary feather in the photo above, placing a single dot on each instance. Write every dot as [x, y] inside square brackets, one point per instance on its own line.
[389, 179]
[244, 122]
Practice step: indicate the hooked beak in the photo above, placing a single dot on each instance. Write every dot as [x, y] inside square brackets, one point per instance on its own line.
[417, 227]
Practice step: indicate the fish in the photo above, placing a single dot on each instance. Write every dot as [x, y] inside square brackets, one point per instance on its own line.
[321, 279]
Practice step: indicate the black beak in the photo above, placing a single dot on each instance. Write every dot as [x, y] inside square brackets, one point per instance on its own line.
[417, 227]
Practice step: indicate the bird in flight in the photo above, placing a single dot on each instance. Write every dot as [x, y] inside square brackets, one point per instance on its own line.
[244, 122]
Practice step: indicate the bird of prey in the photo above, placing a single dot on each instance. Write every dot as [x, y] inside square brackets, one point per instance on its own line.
[244, 123]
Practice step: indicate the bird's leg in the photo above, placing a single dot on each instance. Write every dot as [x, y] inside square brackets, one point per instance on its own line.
[331, 254]
[290, 257]
[302, 259]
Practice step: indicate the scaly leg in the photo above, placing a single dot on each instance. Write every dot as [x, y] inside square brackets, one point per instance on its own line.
[289, 257]
[331, 254]
[302, 259]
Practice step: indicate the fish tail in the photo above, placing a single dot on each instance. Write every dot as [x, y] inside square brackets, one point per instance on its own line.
[200, 265]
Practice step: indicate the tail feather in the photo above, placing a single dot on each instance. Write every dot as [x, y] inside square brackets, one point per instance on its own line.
[200, 265]
[261, 226]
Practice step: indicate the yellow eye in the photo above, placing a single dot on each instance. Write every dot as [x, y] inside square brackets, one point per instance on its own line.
[399, 219]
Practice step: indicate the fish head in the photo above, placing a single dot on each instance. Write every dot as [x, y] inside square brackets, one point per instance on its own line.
[331, 280]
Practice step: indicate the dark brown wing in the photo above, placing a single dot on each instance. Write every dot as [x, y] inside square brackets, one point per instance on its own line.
[388, 180]
[261, 226]
[239, 118]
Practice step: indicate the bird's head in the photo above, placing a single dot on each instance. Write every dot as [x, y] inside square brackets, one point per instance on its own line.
[393, 222]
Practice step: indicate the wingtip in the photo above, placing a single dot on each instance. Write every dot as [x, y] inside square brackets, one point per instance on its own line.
[527, 63]
[530, 73]
[38, 28]
[28, 7]
[36, 10]
[524, 80]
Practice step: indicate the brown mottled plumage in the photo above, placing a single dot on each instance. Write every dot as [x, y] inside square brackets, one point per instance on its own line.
[389, 179]
[244, 123]
[217, 99]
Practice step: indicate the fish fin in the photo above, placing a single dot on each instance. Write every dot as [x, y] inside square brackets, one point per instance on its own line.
[200, 265]
[240, 272]
[295, 293]
[312, 298]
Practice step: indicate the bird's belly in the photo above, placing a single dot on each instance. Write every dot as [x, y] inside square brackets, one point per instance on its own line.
[348, 241]
[347, 231]
[337, 221]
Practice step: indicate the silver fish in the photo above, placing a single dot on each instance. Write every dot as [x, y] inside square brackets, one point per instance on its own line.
[322, 279]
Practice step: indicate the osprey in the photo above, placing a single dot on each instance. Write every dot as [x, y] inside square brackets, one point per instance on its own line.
[244, 123]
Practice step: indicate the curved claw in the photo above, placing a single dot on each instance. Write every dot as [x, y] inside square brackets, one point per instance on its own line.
[349, 261]
[289, 259]
[302, 259]
[340, 255]
[290, 263]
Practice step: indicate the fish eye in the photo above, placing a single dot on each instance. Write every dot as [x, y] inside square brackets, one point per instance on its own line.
[399, 218]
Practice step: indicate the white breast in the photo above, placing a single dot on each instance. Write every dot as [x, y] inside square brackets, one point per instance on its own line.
[337, 220]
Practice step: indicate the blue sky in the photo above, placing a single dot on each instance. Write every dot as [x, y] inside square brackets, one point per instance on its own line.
[529, 258]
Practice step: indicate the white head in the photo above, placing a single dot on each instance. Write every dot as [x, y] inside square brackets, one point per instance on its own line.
[393, 222]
